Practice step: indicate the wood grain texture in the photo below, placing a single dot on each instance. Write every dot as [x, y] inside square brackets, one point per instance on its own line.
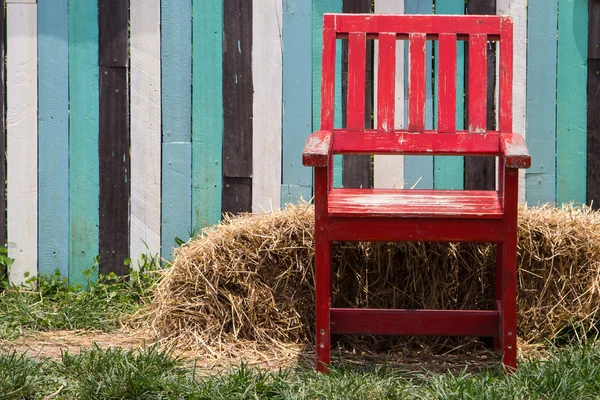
[145, 129]
[267, 109]
[571, 118]
[207, 114]
[83, 139]
[113, 24]
[113, 150]
[389, 170]
[21, 128]
[53, 142]
[319, 7]
[237, 195]
[418, 171]
[176, 98]
[2, 134]
[541, 100]
[297, 96]
[416, 86]
[448, 172]
[237, 102]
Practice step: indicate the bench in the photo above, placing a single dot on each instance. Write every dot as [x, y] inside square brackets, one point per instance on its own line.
[417, 215]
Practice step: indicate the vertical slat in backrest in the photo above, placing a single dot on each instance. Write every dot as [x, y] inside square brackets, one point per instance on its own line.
[447, 83]
[506, 75]
[328, 72]
[416, 85]
[355, 118]
[477, 93]
[386, 82]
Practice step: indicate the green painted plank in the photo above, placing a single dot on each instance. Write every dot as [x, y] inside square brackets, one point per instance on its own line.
[207, 113]
[571, 101]
[297, 97]
[53, 139]
[319, 7]
[448, 172]
[418, 170]
[83, 138]
[541, 103]
[176, 86]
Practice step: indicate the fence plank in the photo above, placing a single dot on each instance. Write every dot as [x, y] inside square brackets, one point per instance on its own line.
[267, 107]
[2, 134]
[21, 127]
[53, 143]
[541, 100]
[571, 101]
[113, 149]
[448, 172]
[145, 129]
[237, 102]
[389, 170]
[418, 171]
[319, 7]
[176, 97]
[593, 111]
[113, 20]
[83, 138]
[297, 113]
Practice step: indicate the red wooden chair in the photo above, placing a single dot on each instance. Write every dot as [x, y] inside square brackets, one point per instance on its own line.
[417, 215]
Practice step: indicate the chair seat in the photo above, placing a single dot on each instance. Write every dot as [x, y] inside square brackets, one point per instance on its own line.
[393, 203]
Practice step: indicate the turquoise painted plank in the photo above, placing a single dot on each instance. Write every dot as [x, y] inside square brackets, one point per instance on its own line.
[297, 96]
[176, 87]
[571, 101]
[448, 172]
[207, 113]
[176, 203]
[541, 104]
[295, 194]
[53, 139]
[418, 170]
[319, 7]
[83, 138]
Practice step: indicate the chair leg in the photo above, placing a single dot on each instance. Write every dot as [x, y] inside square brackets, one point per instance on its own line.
[498, 290]
[323, 299]
[508, 317]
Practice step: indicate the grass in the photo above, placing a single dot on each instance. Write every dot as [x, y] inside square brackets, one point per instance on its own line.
[55, 305]
[151, 373]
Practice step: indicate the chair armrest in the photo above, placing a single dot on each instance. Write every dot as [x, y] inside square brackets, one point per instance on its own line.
[317, 149]
[514, 151]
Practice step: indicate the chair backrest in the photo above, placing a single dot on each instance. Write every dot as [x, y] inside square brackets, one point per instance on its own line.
[476, 30]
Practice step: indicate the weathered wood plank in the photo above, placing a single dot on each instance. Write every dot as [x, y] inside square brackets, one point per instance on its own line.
[53, 143]
[541, 100]
[176, 97]
[571, 140]
[389, 170]
[386, 82]
[21, 128]
[593, 135]
[267, 106]
[416, 87]
[319, 7]
[297, 96]
[237, 195]
[114, 155]
[207, 113]
[145, 129]
[113, 24]
[83, 138]
[2, 133]
[448, 172]
[237, 101]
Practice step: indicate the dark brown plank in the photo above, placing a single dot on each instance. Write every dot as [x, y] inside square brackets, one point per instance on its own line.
[113, 25]
[237, 103]
[480, 172]
[594, 30]
[593, 135]
[113, 151]
[2, 133]
[357, 171]
[237, 195]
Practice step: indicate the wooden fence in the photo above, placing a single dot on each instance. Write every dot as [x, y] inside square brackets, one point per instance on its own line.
[132, 122]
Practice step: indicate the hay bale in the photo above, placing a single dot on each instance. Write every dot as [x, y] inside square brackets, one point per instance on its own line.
[251, 278]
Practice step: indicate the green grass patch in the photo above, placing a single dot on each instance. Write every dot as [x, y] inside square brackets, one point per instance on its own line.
[151, 373]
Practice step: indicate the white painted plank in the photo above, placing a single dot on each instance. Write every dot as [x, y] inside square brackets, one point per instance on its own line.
[21, 1]
[517, 9]
[21, 121]
[145, 128]
[389, 170]
[267, 108]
